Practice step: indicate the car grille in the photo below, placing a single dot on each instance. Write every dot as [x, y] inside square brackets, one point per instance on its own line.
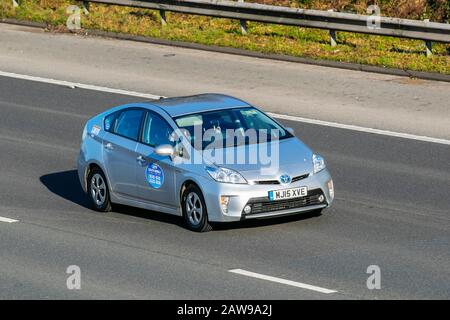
[263, 204]
[294, 179]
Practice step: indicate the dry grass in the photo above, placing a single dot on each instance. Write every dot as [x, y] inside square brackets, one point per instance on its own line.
[365, 49]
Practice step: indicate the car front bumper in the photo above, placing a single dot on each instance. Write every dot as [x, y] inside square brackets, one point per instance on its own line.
[241, 195]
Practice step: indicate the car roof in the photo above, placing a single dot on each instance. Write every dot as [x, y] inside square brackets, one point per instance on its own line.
[198, 103]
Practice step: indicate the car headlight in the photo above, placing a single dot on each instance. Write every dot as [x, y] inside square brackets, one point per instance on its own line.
[225, 175]
[318, 162]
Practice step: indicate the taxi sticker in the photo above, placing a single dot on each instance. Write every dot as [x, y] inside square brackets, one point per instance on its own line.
[154, 175]
[95, 130]
[107, 124]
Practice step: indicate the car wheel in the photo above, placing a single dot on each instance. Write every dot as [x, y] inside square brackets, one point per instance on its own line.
[98, 191]
[194, 209]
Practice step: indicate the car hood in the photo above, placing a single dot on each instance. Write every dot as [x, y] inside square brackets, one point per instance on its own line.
[264, 161]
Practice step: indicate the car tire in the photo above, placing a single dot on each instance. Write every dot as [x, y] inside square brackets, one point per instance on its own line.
[98, 191]
[194, 210]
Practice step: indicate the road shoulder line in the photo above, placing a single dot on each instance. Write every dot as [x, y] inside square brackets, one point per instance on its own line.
[275, 115]
[74, 85]
[360, 129]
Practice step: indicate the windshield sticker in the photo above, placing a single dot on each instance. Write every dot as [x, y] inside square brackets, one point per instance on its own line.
[95, 130]
[154, 175]
[249, 112]
[190, 121]
[107, 124]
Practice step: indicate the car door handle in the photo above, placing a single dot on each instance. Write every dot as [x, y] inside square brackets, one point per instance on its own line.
[141, 159]
[109, 146]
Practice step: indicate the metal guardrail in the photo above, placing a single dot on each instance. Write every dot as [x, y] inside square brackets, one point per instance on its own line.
[328, 20]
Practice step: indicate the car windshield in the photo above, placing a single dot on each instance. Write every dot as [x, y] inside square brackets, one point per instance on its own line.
[230, 127]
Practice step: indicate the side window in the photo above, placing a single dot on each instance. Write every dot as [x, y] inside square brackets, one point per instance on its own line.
[156, 130]
[110, 121]
[128, 123]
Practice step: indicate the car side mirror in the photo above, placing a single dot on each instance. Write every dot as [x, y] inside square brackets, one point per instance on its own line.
[165, 150]
[290, 130]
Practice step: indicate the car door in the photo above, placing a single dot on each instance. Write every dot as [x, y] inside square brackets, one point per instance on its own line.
[155, 174]
[119, 150]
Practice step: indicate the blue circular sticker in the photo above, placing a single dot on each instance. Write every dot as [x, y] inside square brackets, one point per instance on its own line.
[154, 175]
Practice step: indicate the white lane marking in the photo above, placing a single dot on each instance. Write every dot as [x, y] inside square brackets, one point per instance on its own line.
[8, 220]
[79, 85]
[275, 115]
[361, 129]
[282, 281]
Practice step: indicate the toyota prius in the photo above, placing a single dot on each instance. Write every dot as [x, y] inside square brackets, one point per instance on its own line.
[207, 158]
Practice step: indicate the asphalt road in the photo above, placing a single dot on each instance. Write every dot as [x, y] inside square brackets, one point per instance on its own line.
[391, 210]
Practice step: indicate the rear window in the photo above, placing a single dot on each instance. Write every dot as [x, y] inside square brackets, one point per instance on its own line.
[128, 123]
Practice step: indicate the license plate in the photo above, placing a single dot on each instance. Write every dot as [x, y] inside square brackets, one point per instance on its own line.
[288, 193]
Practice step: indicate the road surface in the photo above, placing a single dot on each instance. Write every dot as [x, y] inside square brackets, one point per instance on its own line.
[391, 210]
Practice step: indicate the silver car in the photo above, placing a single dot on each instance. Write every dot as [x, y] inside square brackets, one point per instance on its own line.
[207, 158]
